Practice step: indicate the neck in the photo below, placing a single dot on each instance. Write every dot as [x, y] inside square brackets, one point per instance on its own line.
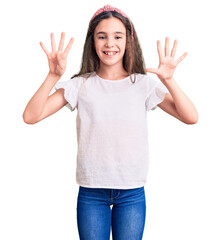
[112, 72]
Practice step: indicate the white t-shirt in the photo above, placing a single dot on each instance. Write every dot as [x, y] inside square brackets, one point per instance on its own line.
[111, 125]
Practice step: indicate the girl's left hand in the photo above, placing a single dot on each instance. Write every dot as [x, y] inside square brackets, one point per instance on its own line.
[167, 64]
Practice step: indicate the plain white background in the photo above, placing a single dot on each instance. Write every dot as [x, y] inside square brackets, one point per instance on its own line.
[38, 192]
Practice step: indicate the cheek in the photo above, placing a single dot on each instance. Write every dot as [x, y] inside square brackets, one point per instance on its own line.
[123, 46]
[97, 46]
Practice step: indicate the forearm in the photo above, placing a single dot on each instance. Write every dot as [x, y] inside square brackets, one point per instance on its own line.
[184, 107]
[37, 103]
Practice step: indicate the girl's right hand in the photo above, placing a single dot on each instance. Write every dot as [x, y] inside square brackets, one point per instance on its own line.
[57, 59]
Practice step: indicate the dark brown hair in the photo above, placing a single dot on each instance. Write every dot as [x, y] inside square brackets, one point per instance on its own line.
[133, 61]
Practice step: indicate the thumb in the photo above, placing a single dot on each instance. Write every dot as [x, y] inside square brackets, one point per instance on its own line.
[151, 70]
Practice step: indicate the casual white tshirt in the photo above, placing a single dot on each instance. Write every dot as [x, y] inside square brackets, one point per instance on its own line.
[112, 132]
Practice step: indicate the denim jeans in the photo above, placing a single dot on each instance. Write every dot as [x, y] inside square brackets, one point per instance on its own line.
[120, 211]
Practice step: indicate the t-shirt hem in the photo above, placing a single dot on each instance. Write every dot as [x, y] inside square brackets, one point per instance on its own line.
[111, 186]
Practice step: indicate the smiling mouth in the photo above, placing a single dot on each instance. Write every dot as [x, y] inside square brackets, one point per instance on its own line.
[110, 53]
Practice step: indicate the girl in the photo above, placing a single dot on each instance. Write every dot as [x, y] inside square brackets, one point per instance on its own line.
[112, 94]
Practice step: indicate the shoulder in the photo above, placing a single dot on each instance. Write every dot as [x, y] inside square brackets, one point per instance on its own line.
[83, 77]
[77, 81]
[145, 79]
[151, 85]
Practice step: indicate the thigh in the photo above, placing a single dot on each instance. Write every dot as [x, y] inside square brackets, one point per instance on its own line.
[128, 215]
[93, 214]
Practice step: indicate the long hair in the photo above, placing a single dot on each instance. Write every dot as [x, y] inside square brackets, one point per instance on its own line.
[133, 61]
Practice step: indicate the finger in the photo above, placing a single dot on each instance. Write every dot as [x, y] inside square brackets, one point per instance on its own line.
[167, 49]
[53, 45]
[68, 48]
[173, 52]
[44, 48]
[152, 70]
[61, 44]
[182, 57]
[159, 49]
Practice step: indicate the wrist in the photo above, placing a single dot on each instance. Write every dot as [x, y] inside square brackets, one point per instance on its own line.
[54, 77]
[168, 81]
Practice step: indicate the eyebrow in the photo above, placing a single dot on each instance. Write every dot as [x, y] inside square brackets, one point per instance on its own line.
[106, 33]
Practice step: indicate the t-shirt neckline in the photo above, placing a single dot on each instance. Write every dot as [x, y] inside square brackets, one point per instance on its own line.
[108, 80]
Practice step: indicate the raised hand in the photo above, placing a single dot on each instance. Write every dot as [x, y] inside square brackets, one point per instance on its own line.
[167, 64]
[57, 59]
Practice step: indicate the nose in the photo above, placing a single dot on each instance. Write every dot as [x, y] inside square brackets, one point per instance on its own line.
[109, 43]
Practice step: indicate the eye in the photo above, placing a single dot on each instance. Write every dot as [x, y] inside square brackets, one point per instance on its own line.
[118, 37]
[101, 37]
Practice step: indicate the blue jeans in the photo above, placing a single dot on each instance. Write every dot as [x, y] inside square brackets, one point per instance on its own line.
[96, 218]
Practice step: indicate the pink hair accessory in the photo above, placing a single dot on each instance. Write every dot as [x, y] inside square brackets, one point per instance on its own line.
[107, 8]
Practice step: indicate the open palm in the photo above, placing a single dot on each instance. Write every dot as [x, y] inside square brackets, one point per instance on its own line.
[167, 63]
[57, 59]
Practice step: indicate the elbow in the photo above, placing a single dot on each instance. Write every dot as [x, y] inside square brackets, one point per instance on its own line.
[28, 120]
[193, 120]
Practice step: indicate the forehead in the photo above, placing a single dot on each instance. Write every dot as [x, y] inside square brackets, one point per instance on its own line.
[110, 25]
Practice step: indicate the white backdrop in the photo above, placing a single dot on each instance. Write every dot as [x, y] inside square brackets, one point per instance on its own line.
[38, 192]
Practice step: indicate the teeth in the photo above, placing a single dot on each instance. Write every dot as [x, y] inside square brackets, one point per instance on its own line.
[110, 53]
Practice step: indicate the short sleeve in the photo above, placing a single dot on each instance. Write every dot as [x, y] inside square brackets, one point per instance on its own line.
[157, 92]
[71, 88]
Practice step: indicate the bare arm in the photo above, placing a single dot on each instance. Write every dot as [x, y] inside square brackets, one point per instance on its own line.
[176, 103]
[41, 104]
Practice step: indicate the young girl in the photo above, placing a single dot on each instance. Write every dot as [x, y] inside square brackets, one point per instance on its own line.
[112, 94]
